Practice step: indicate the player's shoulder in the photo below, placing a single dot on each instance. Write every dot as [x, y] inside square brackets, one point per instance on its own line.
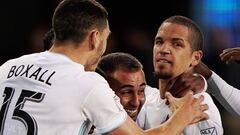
[20, 59]
[93, 77]
[153, 95]
[150, 91]
[91, 81]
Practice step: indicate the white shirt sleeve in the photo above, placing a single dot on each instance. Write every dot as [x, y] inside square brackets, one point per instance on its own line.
[212, 126]
[103, 108]
[149, 95]
[227, 95]
[141, 117]
[205, 83]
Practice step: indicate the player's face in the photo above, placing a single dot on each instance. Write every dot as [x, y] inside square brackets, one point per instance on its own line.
[101, 47]
[129, 87]
[172, 53]
[103, 40]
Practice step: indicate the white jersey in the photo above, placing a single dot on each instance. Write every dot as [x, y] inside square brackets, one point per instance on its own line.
[157, 112]
[227, 95]
[49, 94]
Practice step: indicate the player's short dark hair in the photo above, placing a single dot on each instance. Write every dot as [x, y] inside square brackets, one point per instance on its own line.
[73, 19]
[115, 61]
[196, 37]
[48, 39]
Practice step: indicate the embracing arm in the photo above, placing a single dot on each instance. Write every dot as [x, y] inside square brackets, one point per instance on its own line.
[227, 95]
[190, 111]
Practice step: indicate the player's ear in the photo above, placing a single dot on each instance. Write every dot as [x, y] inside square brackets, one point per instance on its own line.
[196, 57]
[94, 39]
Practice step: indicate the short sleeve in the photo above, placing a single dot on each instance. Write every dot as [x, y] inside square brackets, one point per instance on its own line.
[103, 108]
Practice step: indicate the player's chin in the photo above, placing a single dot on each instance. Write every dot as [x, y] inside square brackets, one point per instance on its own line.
[134, 117]
[132, 114]
[163, 68]
[163, 74]
[163, 65]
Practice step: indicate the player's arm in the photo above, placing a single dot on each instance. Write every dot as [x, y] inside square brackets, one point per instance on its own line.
[198, 84]
[227, 95]
[188, 81]
[189, 111]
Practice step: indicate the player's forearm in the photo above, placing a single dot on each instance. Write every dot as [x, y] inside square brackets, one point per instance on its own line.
[174, 126]
[227, 95]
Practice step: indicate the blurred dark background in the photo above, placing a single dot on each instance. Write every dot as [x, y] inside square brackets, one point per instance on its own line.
[134, 24]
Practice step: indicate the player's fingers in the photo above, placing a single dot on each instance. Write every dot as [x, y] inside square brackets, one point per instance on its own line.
[169, 97]
[176, 91]
[230, 60]
[204, 107]
[224, 57]
[225, 51]
[196, 86]
[199, 99]
[181, 92]
[189, 97]
[202, 116]
[229, 56]
[232, 49]
[181, 86]
[195, 83]
[222, 54]
[228, 49]
[176, 84]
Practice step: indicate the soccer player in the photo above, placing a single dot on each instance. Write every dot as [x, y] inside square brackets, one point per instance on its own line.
[177, 49]
[50, 93]
[125, 76]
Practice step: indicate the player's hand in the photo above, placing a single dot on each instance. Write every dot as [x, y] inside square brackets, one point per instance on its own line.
[186, 82]
[189, 107]
[202, 69]
[231, 55]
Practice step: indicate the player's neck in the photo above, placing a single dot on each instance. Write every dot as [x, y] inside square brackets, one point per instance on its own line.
[76, 54]
[165, 85]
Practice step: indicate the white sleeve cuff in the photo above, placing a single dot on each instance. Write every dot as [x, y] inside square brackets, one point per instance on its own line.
[205, 82]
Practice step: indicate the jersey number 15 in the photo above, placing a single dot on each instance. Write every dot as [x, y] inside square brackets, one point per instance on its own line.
[18, 114]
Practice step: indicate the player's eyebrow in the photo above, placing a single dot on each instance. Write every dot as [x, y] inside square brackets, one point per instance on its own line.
[158, 38]
[143, 84]
[177, 39]
[126, 86]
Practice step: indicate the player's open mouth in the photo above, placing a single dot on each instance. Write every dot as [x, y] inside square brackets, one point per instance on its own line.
[131, 111]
